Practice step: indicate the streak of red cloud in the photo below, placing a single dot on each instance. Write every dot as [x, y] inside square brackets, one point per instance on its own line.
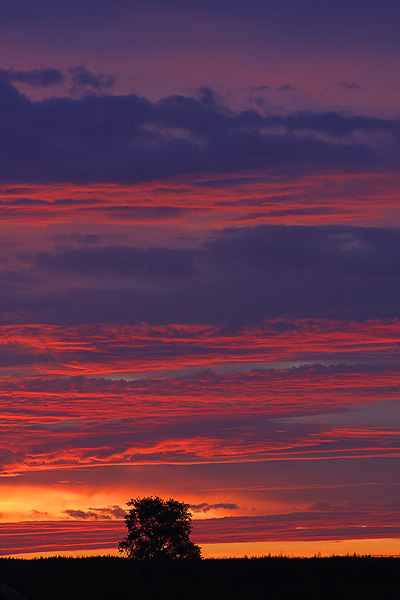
[235, 200]
[56, 536]
[94, 350]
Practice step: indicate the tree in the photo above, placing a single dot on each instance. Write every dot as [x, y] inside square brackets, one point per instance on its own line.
[158, 528]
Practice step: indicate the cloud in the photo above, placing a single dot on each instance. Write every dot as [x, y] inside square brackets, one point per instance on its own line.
[84, 80]
[107, 513]
[329, 250]
[14, 354]
[205, 507]
[34, 78]
[126, 435]
[241, 276]
[80, 534]
[286, 87]
[59, 536]
[351, 85]
[264, 383]
[131, 139]
[321, 505]
[79, 238]
[8, 458]
[259, 88]
[121, 261]
[297, 526]
[356, 506]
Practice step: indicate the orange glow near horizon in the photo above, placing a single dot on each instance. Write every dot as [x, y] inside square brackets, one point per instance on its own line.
[375, 547]
[102, 539]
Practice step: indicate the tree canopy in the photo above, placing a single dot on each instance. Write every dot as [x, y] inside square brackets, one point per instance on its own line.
[158, 528]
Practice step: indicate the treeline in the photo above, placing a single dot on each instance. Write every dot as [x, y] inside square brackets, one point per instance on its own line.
[270, 578]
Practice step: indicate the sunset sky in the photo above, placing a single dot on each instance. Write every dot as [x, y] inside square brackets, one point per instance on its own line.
[200, 272]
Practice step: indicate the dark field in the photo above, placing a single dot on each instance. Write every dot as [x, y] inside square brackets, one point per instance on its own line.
[113, 578]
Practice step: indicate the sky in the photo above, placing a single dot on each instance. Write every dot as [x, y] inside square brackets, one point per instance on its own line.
[200, 280]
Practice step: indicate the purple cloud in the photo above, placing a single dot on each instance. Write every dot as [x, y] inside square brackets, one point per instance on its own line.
[205, 507]
[35, 78]
[240, 276]
[83, 80]
[351, 85]
[129, 138]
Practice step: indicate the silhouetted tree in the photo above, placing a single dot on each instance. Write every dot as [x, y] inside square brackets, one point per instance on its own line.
[158, 528]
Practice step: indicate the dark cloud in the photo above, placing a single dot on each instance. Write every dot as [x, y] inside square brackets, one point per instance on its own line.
[80, 514]
[107, 513]
[306, 21]
[351, 85]
[79, 238]
[35, 78]
[233, 383]
[9, 458]
[243, 276]
[259, 88]
[360, 506]
[335, 124]
[28, 202]
[209, 97]
[329, 250]
[31, 208]
[205, 507]
[83, 79]
[295, 526]
[11, 279]
[145, 213]
[227, 182]
[321, 505]
[300, 526]
[121, 261]
[129, 138]
[286, 87]
[14, 354]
